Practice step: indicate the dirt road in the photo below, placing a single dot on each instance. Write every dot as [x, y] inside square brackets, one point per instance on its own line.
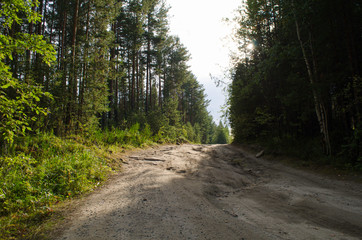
[216, 192]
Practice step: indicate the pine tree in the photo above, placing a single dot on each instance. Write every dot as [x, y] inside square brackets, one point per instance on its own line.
[300, 74]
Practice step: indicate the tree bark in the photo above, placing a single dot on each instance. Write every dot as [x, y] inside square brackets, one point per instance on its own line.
[28, 53]
[73, 78]
[148, 72]
[85, 64]
[133, 79]
[40, 31]
[62, 52]
[320, 109]
[137, 81]
[159, 90]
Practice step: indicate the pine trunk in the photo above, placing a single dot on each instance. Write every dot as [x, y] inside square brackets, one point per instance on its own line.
[148, 72]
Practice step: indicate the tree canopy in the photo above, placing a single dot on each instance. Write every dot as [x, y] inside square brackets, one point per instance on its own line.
[301, 81]
[84, 64]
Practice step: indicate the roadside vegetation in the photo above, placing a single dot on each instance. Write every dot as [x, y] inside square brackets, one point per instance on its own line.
[80, 82]
[42, 170]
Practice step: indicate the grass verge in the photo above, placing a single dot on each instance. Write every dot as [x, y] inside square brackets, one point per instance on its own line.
[42, 171]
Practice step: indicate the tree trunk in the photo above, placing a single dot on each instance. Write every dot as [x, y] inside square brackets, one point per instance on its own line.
[63, 46]
[116, 92]
[40, 31]
[73, 78]
[148, 71]
[129, 76]
[150, 82]
[133, 78]
[320, 109]
[137, 81]
[159, 90]
[84, 75]
[28, 53]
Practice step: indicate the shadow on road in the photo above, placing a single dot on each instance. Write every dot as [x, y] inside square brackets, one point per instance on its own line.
[216, 192]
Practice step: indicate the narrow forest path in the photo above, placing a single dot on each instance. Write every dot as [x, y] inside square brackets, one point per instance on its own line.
[215, 192]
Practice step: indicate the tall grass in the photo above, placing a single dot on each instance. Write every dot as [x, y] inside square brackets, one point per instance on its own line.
[43, 170]
[136, 136]
[133, 136]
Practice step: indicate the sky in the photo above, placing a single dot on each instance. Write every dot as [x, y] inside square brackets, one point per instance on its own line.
[200, 26]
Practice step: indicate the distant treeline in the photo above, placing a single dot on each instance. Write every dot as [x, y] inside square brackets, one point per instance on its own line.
[299, 84]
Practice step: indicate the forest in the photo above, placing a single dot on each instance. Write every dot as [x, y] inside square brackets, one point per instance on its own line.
[80, 81]
[80, 65]
[296, 84]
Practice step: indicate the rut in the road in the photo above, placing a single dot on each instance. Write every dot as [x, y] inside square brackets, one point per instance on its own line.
[216, 192]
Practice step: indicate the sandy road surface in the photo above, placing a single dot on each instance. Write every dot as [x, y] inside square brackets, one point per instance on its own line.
[198, 192]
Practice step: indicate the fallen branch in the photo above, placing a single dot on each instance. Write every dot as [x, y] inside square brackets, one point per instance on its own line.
[153, 159]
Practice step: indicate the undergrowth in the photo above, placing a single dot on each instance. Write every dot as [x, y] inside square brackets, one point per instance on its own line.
[43, 170]
[137, 137]
[308, 153]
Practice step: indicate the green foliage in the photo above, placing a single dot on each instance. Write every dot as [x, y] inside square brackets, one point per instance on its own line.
[11, 9]
[171, 112]
[116, 66]
[108, 56]
[45, 169]
[19, 101]
[133, 137]
[221, 135]
[171, 134]
[156, 119]
[193, 132]
[295, 85]
[19, 112]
